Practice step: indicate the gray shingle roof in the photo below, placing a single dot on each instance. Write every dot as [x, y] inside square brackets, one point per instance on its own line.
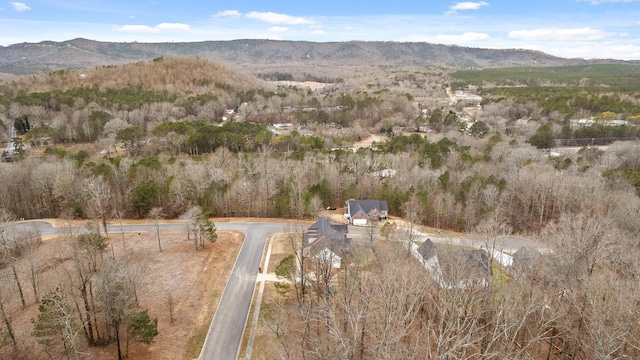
[326, 235]
[427, 250]
[366, 206]
[469, 264]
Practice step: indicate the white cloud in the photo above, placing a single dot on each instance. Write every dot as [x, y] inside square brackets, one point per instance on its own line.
[463, 38]
[596, 2]
[318, 32]
[173, 26]
[135, 28]
[154, 29]
[227, 13]
[278, 29]
[611, 50]
[19, 7]
[467, 5]
[559, 34]
[275, 18]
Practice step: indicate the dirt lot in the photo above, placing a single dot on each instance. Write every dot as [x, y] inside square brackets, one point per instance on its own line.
[193, 279]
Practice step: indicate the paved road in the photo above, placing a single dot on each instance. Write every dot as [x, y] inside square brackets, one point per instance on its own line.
[507, 244]
[225, 333]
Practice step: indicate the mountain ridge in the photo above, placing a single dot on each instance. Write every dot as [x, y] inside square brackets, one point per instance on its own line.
[79, 53]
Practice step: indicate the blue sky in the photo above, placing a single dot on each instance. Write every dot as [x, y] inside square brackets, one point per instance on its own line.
[566, 28]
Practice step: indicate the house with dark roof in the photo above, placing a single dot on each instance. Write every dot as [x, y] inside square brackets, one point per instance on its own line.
[465, 268]
[461, 268]
[522, 260]
[327, 241]
[428, 255]
[362, 212]
[545, 267]
[427, 250]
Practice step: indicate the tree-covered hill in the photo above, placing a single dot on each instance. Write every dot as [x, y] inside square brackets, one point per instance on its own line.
[47, 56]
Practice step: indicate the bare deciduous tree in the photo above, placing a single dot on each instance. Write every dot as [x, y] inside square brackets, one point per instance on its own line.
[98, 194]
[11, 245]
[116, 296]
[4, 313]
[156, 214]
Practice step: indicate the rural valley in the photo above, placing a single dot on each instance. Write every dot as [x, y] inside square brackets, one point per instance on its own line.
[398, 175]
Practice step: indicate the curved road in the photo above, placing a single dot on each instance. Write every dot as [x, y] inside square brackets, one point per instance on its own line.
[225, 333]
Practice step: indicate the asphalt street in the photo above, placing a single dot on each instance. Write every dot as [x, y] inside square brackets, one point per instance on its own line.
[225, 333]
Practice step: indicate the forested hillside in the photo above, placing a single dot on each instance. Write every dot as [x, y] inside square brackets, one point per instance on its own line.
[28, 58]
[174, 133]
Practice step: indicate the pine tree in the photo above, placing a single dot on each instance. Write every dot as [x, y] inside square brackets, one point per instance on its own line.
[56, 323]
[142, 327]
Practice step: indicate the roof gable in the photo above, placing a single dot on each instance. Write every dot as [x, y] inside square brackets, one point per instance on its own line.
[366, 206]
[325, 228]
[427, 250]
[323, 234]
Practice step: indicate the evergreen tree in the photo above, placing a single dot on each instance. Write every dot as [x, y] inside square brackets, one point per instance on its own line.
[56, 323]
[544, 137]
[141, 327]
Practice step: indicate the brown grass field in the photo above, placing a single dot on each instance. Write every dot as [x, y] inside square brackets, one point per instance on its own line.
[194, 279]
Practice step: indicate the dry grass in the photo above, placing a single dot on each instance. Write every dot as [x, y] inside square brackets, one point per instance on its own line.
[281, 249]
[264, 344]
[193, 279]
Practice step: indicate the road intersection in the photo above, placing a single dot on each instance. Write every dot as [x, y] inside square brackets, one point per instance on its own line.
[228, 324]
[227, 327]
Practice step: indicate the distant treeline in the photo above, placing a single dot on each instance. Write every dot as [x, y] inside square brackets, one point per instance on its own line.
[619, 77]
[279, 76]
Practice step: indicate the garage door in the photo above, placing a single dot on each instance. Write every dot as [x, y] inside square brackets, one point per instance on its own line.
[360, 222]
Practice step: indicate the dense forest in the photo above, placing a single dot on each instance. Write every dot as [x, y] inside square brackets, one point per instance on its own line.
[174, 133]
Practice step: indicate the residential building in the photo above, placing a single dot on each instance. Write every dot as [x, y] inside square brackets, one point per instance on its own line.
[326, 241]
[362, 212]
[460, 269]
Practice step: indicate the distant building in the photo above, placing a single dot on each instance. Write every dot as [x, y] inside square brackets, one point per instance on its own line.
[592, 121]
[384, 173]
[362, 212]
[282, 125]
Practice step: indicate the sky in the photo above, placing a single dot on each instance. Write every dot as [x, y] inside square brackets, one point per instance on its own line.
[566, 28]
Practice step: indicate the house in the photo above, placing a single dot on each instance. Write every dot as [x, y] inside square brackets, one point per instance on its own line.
[544, 267]
[384, 173]
[327, 242]
[465, 268]
[591, 121]
[428, 250]
[428, 255]
[361, 212]
[456, 269]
